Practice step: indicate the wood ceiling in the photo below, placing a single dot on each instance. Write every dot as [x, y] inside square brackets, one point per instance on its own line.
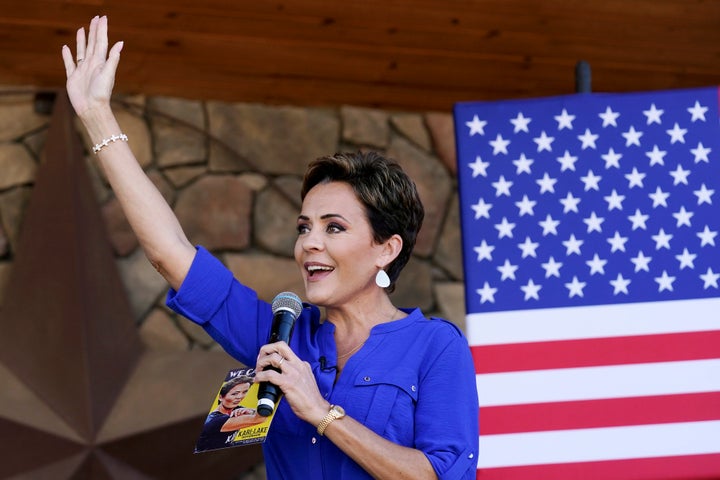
[393, 54]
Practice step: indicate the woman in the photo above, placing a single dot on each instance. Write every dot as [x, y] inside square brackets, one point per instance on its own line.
[229, 417]
[371, 391]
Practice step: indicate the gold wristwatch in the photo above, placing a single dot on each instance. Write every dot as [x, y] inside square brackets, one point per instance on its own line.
[336, 412]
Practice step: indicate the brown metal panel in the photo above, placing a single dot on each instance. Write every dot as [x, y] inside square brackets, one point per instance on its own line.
[166, 452]
[21, 446]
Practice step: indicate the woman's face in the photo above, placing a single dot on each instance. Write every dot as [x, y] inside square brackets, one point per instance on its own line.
[236, 394]
[335, 250]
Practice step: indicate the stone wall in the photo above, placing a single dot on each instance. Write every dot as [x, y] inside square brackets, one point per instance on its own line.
[232, 174]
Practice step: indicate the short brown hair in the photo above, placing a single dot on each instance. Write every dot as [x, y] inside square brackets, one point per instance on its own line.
[389, 195]
[234, 382]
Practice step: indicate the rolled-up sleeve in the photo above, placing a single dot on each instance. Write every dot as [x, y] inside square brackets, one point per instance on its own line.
[447, 413]
[228, 311]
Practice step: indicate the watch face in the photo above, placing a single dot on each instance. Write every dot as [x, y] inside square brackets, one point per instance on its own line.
[340, 410]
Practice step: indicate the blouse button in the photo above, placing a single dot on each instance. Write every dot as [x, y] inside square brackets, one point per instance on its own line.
[314, 440]
[413, 388]
[367, 379]
[472, 455]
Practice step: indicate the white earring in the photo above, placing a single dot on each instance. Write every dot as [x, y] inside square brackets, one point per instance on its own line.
[381, 279]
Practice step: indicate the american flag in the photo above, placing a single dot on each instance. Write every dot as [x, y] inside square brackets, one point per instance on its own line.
[592, 277]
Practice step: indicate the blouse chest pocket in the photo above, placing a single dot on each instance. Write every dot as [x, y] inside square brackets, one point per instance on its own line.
[388, 397]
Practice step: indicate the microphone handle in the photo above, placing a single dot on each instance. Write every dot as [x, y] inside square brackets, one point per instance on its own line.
[282, 328]
[268, 393]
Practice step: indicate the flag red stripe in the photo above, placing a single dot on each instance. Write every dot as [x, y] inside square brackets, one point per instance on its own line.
[600, 413]
[661, 468]
[596, 352]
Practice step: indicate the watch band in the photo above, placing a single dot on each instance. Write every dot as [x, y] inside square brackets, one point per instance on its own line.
[336, 412]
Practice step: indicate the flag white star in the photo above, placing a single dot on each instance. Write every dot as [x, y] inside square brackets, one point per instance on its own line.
[683, 217]
[679, 175]
[704, 195]
[572, 245]
[549, 225]
[507, 270]
[476, 126]
[614, 200]
[526, 206]
[656, 156]
[620, 284]
[665, 282]
[659, 198]
[499, 145]
[635, 178]
[531, 290]
[482, 209]
[697, 111]
[594, 223]
[701, 153]
[520, 123]
[487, 293]
[707, 237]
[617, 242]
[612, 159]
[505, 228]
[544, 142]
[591, 181]
[564, 120]
[710, 278]
[547, 184]
[575, 288]
[522, 164]
[609, 117]
[597, 265]
[677, 134]
[552, 268]
[570, 203]
[686, 259]
[567, 162]
[479, 167]
[638, 220]
[502, 186]
[484, 251]
[641, 262]
[632, 137]
[588, 139]
[662, 240]
[528, 248]
[653, 115]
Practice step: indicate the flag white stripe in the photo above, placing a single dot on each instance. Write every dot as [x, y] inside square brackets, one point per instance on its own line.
[586, 383]
[594, 444]
[597, 321]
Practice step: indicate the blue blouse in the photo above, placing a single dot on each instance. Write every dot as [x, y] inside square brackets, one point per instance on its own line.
[413, 382]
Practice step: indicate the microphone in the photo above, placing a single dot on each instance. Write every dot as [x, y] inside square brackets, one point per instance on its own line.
[286, 308]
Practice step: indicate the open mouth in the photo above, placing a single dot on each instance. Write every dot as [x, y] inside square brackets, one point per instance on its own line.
[318, 269]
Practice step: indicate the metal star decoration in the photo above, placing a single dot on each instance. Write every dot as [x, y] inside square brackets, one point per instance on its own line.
[80, 398]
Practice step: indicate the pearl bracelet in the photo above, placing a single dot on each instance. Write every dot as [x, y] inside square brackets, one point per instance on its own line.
[108, 141]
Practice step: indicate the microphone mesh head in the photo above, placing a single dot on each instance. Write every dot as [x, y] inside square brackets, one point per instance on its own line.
[287, 301]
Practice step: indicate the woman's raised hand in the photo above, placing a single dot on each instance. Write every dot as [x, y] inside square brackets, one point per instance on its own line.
[91, 74]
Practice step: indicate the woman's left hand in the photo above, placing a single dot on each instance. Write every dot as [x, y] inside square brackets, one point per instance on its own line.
[296, 380]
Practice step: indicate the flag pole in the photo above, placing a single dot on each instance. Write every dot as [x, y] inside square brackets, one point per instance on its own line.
[583, 77]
